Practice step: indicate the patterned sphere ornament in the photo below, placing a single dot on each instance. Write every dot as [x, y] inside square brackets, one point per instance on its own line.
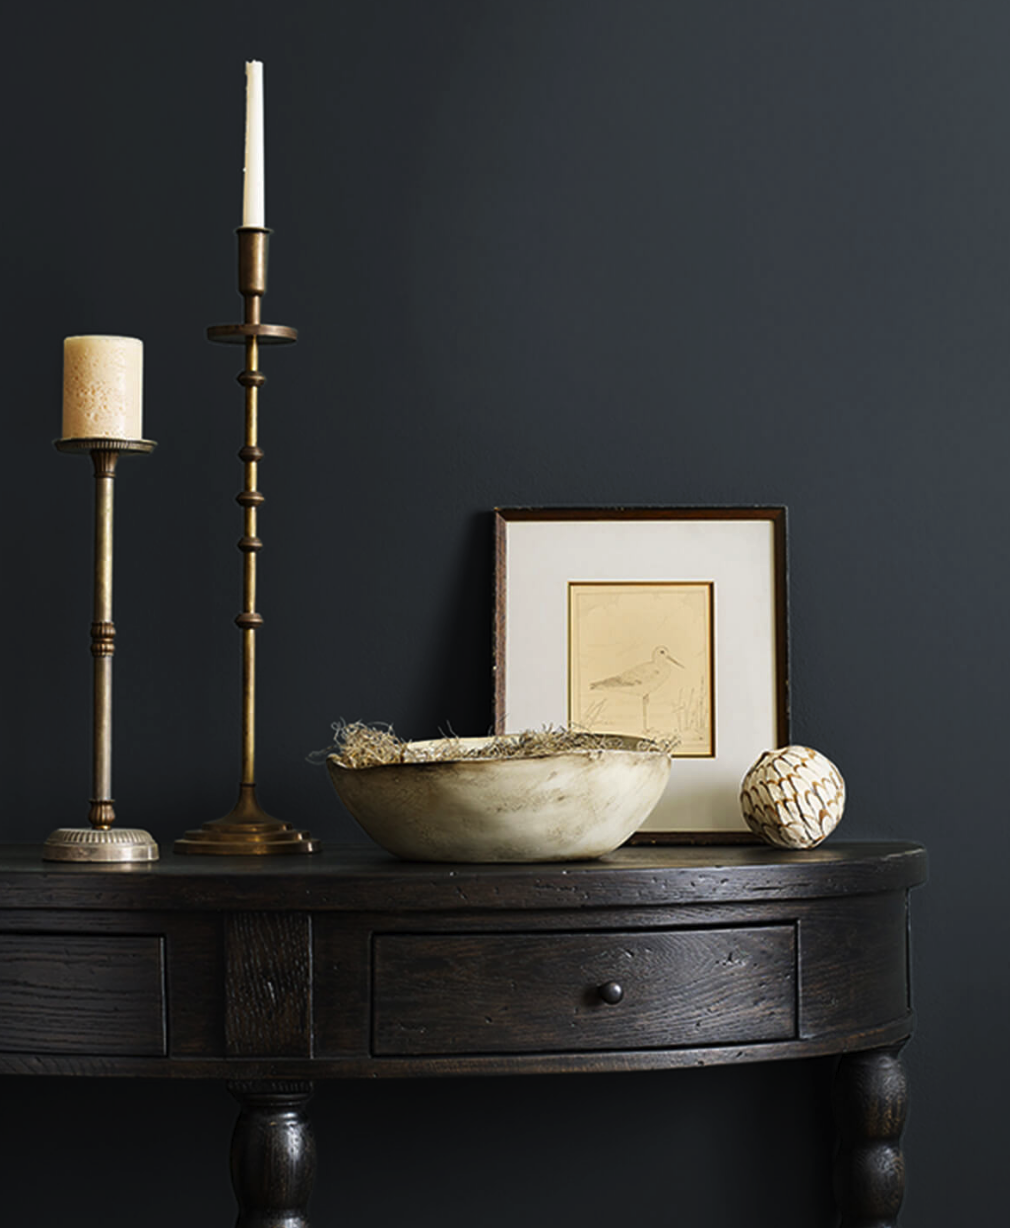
[793, 797]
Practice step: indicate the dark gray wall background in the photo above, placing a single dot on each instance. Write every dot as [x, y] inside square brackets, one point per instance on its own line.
[539, 253]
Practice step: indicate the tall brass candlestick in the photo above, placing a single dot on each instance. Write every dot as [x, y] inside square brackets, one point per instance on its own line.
[248, 828]
[100, 841]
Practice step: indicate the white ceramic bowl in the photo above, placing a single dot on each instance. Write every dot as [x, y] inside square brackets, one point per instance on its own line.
[557, 807]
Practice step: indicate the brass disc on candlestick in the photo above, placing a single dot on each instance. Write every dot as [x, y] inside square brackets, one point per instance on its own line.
[266, 334]
[142, 446]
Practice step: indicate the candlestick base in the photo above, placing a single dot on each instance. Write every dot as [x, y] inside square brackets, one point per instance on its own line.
[247, 829]
[92, 844]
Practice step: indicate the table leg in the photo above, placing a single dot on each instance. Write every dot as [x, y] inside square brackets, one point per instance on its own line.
[870, 1103]
[273, 1154]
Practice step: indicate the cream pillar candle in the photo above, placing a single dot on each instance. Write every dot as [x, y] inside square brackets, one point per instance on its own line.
[254, 190]
[102, 388]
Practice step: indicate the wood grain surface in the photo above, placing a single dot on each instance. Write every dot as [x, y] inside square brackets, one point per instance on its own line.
[268, 984]
[353, 964]
[352, 879]
[74, 993]
[488, 993]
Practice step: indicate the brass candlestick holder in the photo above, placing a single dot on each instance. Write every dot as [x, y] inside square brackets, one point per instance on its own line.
[248, 828]
[101, 841]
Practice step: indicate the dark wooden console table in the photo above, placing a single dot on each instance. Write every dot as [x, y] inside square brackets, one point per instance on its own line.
[270, 973]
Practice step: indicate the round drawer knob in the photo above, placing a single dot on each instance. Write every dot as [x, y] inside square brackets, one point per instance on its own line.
[611, 993]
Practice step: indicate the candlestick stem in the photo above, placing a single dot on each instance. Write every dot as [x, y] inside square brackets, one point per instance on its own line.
[248, 828]
[103, 634]
[249, 499]
[101, 842]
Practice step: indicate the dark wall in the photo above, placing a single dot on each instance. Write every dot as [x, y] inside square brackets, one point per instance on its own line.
[539, 252]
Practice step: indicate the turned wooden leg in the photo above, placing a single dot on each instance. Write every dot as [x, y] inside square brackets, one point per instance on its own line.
[273, 1155]
[871, 1103]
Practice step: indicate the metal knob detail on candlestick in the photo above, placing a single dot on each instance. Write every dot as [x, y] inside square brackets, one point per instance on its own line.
[101, 842]
[248, 828]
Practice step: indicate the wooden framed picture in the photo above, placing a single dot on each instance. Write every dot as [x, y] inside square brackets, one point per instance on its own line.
[661, 622]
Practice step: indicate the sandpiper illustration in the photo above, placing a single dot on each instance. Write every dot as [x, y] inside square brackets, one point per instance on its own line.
[642, 679]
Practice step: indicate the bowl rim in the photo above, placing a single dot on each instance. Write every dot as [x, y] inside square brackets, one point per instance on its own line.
[637, 745]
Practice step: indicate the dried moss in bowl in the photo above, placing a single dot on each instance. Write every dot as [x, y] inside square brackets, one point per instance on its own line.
[359, 745]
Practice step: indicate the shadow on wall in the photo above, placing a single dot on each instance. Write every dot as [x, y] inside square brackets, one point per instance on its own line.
[457, 683]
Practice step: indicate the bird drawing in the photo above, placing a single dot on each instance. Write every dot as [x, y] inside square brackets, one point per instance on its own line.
[642, 679]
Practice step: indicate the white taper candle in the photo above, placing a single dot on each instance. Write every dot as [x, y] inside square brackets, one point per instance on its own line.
[254, 183]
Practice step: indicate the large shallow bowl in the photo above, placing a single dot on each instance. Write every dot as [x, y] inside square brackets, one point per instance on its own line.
[556, 807]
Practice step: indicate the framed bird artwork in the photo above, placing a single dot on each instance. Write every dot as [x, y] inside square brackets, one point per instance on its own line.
[619, 627]
[668, 624]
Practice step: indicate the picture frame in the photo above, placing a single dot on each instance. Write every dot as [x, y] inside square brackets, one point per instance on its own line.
[668, 623]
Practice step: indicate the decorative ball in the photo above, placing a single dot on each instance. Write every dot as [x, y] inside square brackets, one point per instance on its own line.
[793, 797]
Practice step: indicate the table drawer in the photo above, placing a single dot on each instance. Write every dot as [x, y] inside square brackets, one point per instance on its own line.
[82, 994]
[523, 993]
